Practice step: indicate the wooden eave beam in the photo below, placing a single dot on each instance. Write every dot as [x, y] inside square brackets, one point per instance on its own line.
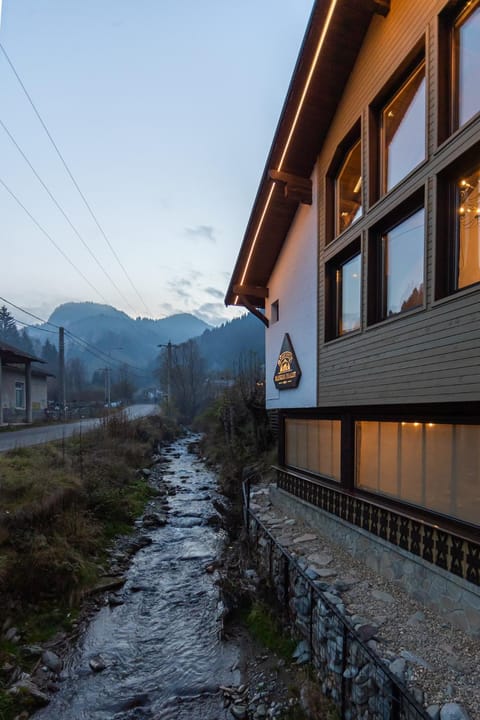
[251, 308]
[381, 7]
[295, 188]
[251, 291]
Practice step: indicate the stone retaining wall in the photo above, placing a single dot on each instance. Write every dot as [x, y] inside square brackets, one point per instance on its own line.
[349, 671]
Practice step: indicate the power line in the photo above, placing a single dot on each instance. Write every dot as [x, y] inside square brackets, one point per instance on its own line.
[42, 230]
[59, 207]
[68, 171]
[27, 312]
[75, 338]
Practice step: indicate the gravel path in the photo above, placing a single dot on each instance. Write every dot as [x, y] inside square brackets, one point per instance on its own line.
[441, 660]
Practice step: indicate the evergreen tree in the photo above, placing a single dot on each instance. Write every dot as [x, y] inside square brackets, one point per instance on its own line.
[8, 328]
[49, 353]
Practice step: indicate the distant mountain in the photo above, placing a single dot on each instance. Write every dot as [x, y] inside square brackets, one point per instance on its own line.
[127, 340]
[223, 346]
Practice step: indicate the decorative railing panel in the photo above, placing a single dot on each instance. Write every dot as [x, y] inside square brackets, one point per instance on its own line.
[438, 546]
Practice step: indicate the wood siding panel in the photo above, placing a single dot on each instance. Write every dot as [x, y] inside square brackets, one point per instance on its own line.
[431, 355]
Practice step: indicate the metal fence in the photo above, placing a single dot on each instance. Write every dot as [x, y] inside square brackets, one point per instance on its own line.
[349, 671]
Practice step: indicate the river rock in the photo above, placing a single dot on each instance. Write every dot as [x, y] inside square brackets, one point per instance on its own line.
[453, 711]
[239, 711]
[97, 663]
[12, 635]
[37, 697]
[154, 519]
[52, 661]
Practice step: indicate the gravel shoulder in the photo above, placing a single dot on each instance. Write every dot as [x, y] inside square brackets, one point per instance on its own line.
[440, 660]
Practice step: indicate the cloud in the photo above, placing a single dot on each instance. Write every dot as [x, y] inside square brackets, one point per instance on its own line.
[212, 313]
[214, 292]
[205, 232]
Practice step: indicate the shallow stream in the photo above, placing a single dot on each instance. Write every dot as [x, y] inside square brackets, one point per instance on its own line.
[164, 658]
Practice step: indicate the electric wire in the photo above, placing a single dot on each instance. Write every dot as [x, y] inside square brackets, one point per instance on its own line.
[59, 207]
[47, 235]
[70, 174]
[76, 338]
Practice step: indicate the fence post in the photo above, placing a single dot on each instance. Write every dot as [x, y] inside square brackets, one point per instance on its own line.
[343, 698]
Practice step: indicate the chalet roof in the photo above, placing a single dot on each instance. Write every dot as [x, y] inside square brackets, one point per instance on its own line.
[331, 44]
[11, 354]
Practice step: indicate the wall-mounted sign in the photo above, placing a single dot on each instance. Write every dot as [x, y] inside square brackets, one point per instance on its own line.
[287, 372]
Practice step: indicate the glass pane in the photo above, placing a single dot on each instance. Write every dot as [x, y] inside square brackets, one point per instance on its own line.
[367, 439]
[469, 67]
[403, 249]
[349, 189]
[438, 468]
[403, 122]
[349, 316]
[469, 230]
[467, 473]
[329, 436]
[388, 458]
[411, 459]
[313, 445]
[433, 465]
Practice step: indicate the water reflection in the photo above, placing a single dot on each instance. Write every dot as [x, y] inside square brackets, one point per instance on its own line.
[162, 649]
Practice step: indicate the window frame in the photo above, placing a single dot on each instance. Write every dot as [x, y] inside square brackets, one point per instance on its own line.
[339, 158]
[447, 236]
[376, 286]
[447, 71]
[388, 99]
[19, 388]
[274, 312]
[333, 298]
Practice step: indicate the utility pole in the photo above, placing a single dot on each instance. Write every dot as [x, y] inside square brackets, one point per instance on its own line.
[169, 347]
[61, 368]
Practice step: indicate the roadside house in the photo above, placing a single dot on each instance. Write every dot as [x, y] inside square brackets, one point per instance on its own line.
[23, 386]
[362, 258]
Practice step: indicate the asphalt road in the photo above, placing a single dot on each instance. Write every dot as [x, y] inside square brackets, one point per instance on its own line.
[47, 433]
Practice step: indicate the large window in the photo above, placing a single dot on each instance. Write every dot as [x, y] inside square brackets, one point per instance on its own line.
[458, 220]
[436, 466]
[397, 267]
[466, 45]
[343, 301]
[468, 229]
[348, 189]
[313, 445]
[403, 130]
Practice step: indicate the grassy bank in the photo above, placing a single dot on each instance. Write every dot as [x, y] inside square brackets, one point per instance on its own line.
[60, 506]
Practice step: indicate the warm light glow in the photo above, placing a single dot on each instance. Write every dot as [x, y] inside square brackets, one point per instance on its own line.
[331, 10]
[431, 424]
[357, 187]
[416, 424]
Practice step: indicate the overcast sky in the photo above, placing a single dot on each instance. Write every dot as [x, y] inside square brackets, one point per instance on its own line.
[164, 111]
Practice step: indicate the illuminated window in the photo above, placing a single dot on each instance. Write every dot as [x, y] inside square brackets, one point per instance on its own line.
[432, 465]
[466, 56]
[314, 446]
[468, 230]
[348, 189]
[403, 130]
[458, 221]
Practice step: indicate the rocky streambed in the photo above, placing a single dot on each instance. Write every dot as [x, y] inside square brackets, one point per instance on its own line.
[153, 649]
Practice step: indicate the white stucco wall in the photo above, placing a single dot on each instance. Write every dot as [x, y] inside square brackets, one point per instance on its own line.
[39, 389]
[294, 284]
